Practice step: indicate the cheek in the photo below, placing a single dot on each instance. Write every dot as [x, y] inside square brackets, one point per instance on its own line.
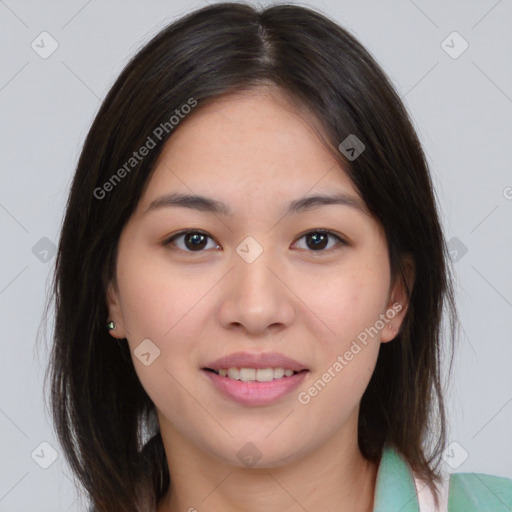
[169, 308]
[350, 303]
[158, 299]
[164, 308]
[348, 300]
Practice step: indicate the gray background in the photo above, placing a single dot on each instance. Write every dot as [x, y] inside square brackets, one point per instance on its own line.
[462, 108]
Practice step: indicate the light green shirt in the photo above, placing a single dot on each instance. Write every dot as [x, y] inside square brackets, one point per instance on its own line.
[468, 492]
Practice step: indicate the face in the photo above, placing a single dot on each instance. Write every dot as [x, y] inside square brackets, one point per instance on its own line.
[270, 288]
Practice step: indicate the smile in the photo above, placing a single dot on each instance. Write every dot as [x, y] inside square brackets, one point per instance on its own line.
[255, 374]
[254, 386]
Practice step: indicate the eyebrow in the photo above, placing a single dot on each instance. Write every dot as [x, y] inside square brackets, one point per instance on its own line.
[211, 205]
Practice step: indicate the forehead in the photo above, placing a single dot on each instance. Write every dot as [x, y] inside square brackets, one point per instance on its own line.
[252, 148]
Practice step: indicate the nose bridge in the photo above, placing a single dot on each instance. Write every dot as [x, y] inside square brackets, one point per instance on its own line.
[257, 261]
[257, 297]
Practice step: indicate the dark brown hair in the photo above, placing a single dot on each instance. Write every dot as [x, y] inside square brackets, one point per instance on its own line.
[104, 419]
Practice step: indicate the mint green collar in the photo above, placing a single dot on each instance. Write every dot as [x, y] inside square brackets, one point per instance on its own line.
[395, 490]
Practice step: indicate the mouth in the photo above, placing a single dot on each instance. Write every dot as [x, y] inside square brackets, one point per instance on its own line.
[255, 379]
[254, 387]
[255, 374]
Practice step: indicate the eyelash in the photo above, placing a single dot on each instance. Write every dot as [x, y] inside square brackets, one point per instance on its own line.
[169, 242]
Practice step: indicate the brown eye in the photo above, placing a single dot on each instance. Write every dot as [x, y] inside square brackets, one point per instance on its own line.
[318, 240]
[192, 241]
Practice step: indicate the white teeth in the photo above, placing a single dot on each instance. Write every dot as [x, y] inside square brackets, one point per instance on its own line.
[247, 374]
[264, 374]
[278, 373]
[233, 373]
[255, 374]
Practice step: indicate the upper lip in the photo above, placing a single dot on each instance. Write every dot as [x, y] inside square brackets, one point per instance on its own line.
[248, 360]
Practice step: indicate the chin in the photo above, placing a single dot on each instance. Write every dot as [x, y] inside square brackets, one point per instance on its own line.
[255, 452]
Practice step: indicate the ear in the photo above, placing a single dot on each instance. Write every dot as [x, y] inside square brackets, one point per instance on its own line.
[114, 311]
[398, 301]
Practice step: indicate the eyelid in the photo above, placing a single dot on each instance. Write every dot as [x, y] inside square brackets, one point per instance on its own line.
[324, 231]
[167, 242]
[342, 242]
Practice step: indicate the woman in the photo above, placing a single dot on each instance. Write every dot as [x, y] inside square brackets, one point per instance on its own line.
[252, 218]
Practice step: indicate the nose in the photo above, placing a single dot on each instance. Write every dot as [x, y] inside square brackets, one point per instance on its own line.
[257, 297]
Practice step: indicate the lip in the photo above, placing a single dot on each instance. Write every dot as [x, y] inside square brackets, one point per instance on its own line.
[248, 360]
[255, 393]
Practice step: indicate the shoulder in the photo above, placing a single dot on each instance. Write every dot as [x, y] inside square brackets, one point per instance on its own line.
[457, 492]
[467, 492]
[479, 492]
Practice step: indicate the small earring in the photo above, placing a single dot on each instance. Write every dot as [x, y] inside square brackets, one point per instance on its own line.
[111, 325]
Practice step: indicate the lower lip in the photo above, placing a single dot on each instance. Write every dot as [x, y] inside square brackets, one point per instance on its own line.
[255, 393]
